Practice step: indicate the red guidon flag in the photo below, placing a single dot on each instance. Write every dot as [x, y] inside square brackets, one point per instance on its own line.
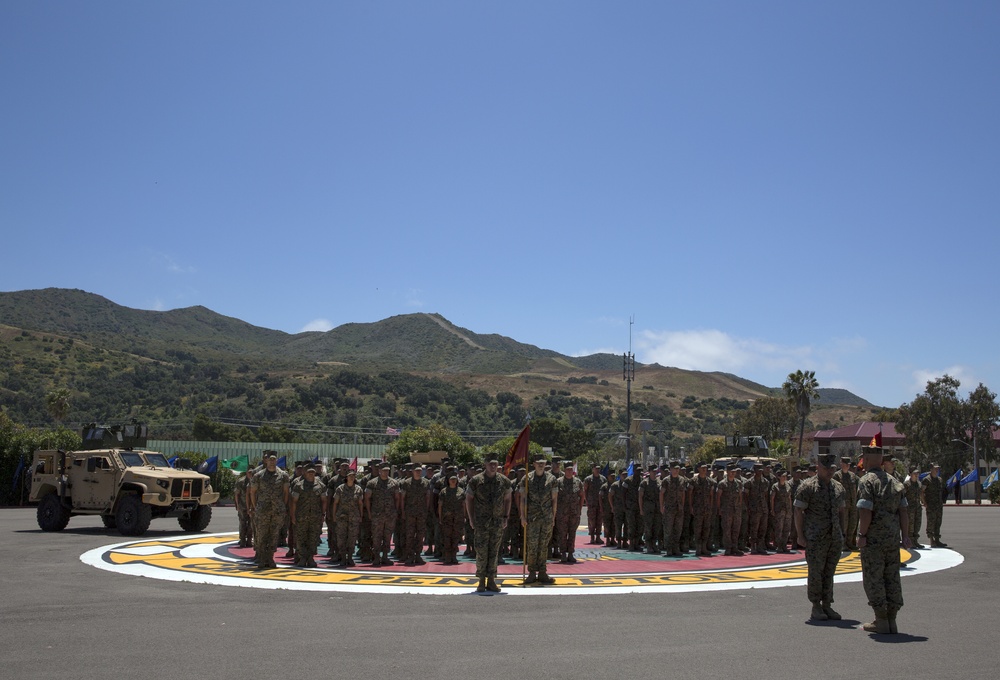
[876, 440]
[518, 454]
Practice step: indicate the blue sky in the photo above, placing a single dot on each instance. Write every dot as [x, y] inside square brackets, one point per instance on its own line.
[765, 186]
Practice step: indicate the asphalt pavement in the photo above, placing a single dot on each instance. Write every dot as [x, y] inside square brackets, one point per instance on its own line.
[62, 618]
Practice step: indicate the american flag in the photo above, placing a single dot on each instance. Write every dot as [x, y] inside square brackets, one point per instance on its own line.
[392, 431]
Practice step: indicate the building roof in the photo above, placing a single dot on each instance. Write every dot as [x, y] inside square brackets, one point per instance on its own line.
[863, 432]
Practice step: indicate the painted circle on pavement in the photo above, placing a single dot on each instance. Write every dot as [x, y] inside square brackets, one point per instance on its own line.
[217, 559]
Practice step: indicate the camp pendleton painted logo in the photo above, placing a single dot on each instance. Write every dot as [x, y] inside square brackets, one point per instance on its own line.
[217, 559]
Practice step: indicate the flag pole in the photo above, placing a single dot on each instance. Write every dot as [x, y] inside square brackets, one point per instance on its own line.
[524, 531]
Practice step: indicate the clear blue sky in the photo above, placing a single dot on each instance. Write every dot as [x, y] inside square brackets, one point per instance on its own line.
[766, 186]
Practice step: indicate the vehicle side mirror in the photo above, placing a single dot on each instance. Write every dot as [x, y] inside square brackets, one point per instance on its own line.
[91, 464]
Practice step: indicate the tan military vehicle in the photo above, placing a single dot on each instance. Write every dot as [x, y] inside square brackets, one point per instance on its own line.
[745, 451]
[114, 477]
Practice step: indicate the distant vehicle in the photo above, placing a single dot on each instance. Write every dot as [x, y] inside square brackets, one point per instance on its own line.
[115, 477]
[745, 451]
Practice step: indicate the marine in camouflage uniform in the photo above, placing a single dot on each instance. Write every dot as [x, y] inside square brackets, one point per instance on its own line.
[382, 504]
[308, 508]
[932, 500]
[849, 481]
[912, 489]
[702, 502]
[269, 496]
[819, 524]
[882, 505]
[487, 499]
[730, 502]
[608, 512]
[538, 512]
[758, 503]
[592, 493]
[633, 520]
[616, 496]
[568, 514]
[416, 504]
[451, 513]
[365, 531]
[649, 509]
[781, 511]
[673, 504]
[241, 494]
[348, 502]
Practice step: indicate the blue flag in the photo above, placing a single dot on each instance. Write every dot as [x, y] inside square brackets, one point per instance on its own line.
[209, 466]
[953, 480]
[631, 469]
[172, 461]
[992, 479]
[605, 470]
[17, 473]
[924, 475]
[969, 478]
[315, 460]
[282, 462]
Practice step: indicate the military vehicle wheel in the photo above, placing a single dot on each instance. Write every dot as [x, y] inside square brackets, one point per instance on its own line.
[52, 516]
[109, 521]
[197, 520]
[133, 516]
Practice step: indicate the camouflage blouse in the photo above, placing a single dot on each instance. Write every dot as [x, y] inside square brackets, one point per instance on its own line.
[884, 495]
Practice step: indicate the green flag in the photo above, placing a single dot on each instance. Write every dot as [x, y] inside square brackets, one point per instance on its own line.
[239, 463]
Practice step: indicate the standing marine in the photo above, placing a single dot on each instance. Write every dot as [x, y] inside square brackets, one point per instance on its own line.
[820, 518]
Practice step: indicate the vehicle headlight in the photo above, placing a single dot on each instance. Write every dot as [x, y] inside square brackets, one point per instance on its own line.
[162, 482]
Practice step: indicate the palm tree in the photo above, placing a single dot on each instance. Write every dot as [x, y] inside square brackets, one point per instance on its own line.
[800, 390]
[57, 401]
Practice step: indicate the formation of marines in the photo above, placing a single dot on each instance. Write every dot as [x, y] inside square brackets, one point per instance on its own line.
[380, 515]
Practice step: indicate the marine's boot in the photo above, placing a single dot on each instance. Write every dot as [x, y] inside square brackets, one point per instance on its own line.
[532, 578]
[481, 588]
[570, 558]
[564, 559]
[543, 577]
[880, 625]
[491, 585]
[890, 614]
[830, 612]
[818, 614]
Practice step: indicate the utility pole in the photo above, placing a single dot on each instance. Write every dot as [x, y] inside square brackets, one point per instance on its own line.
[628, 375]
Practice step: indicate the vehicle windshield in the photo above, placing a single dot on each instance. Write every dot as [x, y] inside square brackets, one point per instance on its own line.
[132, 459]
[157, 460]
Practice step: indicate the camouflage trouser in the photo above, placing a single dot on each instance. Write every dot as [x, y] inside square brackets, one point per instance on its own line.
[382, 526]
[268, 523]
[594, 519]
[618, 517]
[730, 530]
[673, 526]
[347, 535]
[634, 528]
[880, 570]
[566, 526]
[701, 528]
[331, 533]
[451, 533]
[537, 551]
[432, 533]
[715, 539]
[822, 557]
[246, 528]
[744, 528]
[757, 529]
[934, 513]
[512, 538]
[488, 538]
[399, 535]
[470, 538]
[651, 523]
[365, 537]
[914, 518]
[851, 539]
[781, 522]
[307, 532]
[610, 528]
[415, 525]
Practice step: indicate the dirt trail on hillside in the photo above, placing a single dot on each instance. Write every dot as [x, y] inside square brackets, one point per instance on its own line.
[451, 330]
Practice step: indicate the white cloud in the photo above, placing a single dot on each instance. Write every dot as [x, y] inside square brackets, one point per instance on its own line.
[714, 350]
[963, 374]
[157, 305]
[175, 268]
[321, 325]
[414, 298]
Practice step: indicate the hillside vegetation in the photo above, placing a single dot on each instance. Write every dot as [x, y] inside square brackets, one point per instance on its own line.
[347, 384]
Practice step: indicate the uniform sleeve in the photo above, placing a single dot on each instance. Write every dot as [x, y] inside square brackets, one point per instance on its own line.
[802, 497]
[865, 499]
